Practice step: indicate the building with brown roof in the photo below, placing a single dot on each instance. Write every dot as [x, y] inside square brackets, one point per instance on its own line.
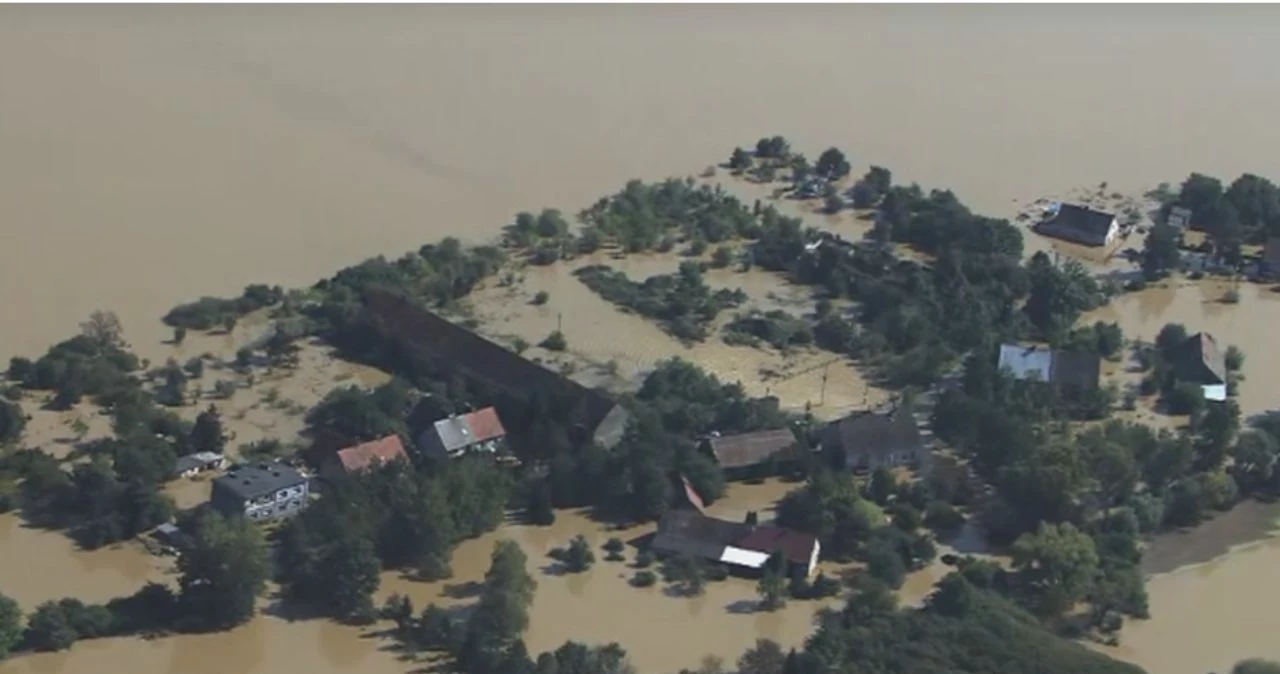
[370, 455]
[480, 431]
[739, 454]
[742, 547]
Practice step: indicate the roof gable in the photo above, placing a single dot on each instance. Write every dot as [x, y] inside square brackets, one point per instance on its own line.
[484, 425]
[748, 449]
[368, 454]
[1084, 219]
[1067, 368]
[1026, 362]
[1201, 349]
[876, 433]
[795, 546]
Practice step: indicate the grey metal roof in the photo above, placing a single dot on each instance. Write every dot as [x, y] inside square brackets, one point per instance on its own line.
[453, 433]
[1023, 361]
[258, 480]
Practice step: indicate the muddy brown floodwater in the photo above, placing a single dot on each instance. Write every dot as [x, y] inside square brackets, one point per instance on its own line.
[594, 607]
[151, 155]
[1198, 305]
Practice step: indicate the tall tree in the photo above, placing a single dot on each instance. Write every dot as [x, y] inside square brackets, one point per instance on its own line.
[207, 434]
[1160, 251]
[832, 164]
[10, 625]
[1059, 562]
[224, 570]
[12, 421]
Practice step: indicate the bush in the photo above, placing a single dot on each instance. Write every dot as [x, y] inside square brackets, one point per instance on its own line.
[614, 547]
[722, 257]
[540, 298]
[942, 517]
[644, 579]
[777, 328]
[644, 558]
[682, 302]
[554, 342]
[1234, 358]
[210, 312]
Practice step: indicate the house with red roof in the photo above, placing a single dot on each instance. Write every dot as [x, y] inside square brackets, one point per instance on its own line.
[369, 455]
[480, 431]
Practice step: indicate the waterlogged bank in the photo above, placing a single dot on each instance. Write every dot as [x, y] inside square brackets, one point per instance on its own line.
[1209, 615]
[597, 606]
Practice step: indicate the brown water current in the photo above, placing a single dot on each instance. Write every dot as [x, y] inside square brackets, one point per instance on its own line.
[150, 155]
[154, 154]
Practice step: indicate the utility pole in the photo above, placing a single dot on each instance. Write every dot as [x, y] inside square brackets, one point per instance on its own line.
[822, 401]
[559, 321]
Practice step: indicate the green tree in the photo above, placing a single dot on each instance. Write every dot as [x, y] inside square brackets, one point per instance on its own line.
[12, 421]
[740, 159]
[49, 629]
[881, 486]
[1059, 562]
[772, 586]
[207, 434]
[578, 557]
[765, 657]
[1256, 666]
[1234, 358]
[351, 568]
[1160, 253]
[223, 571]
[10, 625]
[832, 164]
[540, 511]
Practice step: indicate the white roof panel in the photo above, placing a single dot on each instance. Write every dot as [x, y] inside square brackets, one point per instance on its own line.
[740, 557]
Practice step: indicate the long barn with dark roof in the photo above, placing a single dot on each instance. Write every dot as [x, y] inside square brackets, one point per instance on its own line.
[450, 348]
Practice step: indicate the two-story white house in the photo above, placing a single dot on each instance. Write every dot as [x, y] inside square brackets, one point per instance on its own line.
[261, 491]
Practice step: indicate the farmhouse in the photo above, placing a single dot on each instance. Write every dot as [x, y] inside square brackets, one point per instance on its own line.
[1081, 224]
[742, 547]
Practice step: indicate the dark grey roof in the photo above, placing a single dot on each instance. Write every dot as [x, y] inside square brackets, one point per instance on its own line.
[692, 533]
[258, 480]
[1083, 219]
[1201, 360]
[1077, 369]
[749, 449]
[1066, 368]
[454, 349]
[876, 433]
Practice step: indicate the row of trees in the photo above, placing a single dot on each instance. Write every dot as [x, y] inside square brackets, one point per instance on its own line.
[1246, 211]
[682, 302]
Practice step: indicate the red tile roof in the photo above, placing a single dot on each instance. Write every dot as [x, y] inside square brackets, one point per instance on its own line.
[795, 546]
[376, 452]
[484, 425]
